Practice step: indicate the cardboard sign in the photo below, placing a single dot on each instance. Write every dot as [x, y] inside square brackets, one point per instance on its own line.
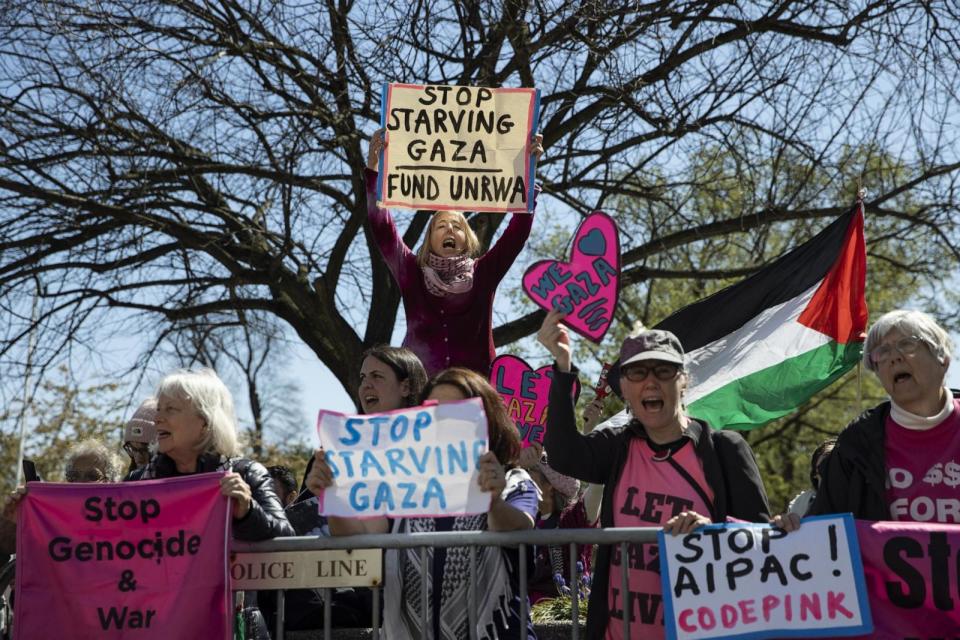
[457, 148]
[526, 394]
[132, 559]
[756, 581]
[420, 461]
[587, 287]
[913, 578]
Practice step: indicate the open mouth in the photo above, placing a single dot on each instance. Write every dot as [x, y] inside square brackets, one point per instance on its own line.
[900, 377]
[449, 243]
[370, 401]
[161, 434]
[652, 404]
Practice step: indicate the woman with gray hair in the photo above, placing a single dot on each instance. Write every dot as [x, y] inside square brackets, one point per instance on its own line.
[901, 459]
[197, 433]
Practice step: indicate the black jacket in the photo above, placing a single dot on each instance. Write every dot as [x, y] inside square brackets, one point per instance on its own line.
[264, 520]
[728, 465]
[853, 478]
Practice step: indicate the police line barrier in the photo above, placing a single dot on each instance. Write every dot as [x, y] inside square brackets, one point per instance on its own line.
[279, 551]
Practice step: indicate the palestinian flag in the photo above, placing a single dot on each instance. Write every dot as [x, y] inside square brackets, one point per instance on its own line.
[760, 348]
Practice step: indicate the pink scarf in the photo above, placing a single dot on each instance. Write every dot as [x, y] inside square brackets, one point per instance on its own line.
[445, 276]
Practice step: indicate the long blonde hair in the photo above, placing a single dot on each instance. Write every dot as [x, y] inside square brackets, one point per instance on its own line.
[473, 243]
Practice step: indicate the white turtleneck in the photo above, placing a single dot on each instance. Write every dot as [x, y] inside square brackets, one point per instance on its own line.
[921, 423]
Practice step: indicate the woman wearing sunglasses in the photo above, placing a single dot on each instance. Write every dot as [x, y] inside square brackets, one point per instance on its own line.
[663, 468]
[901, 459]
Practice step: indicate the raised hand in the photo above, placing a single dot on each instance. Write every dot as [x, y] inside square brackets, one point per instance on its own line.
[378, 142]
[536, 148]
[555, 337]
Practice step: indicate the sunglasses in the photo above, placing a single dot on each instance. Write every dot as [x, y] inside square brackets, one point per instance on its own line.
[662, 372]
[904, 346]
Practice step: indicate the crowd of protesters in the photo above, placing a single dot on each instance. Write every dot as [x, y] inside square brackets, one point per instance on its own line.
[581, 477]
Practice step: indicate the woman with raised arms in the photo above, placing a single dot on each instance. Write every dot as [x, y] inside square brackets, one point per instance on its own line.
[447, 290]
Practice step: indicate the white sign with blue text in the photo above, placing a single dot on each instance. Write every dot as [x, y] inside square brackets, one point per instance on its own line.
[757, 581]
[420, 461]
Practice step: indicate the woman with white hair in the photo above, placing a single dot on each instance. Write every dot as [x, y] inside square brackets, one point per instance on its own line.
[901, 459]
[197, 433]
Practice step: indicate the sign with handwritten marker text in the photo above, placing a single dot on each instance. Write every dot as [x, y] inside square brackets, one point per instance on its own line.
[121, 560]
[912, 571]
[458, 148]
[526, 394]
[757, 581]
[420, 461]
[587, 287]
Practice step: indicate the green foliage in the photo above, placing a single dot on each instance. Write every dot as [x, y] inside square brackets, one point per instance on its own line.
[557, 609]
[62, 412]
[293, 456]
[902, 269]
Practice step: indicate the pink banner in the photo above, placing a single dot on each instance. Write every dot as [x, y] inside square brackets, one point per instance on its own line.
[129, 560]
[526, 394]
[587, 287]
[912, 572]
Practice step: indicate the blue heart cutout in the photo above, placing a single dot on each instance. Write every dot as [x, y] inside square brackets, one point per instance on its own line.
[593, 244]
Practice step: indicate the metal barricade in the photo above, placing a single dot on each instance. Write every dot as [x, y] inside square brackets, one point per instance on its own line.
[523, 540]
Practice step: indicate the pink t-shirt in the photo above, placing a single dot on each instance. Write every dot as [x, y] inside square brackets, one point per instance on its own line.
[649, 493]
[923, 471]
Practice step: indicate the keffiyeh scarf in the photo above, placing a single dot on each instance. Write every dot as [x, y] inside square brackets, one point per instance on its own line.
[402, 613]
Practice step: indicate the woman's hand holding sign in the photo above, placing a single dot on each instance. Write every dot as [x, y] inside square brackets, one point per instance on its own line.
[786, 521]
[321, 475]
[378, 142]
[685, 522]
[233, 486]
[536, 149]
[492, 476]
[319, 479]
[555, 337]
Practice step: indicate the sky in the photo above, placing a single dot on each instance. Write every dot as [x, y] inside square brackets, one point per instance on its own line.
[321, 390]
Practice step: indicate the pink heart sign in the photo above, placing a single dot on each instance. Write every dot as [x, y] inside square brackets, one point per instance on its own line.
[587, 287]
[525, 393]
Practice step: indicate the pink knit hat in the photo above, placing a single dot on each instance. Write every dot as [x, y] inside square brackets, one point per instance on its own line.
[141, 423]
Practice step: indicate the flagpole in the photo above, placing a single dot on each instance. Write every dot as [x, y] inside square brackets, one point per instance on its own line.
[861, 194]
[31, 340]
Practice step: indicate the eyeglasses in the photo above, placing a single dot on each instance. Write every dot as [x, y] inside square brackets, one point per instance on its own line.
[663, 372]
[905, 346]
